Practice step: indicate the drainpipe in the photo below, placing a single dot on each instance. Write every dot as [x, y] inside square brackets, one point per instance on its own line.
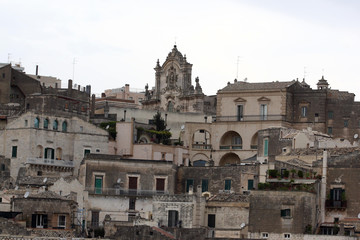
[323, 187]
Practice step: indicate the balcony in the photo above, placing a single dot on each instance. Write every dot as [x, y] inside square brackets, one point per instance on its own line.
[335, 204]
[50, 162]
[234, 147]
[123, 192]
[250, 118]
[201, 146]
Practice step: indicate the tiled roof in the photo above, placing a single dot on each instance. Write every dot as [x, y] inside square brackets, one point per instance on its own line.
[47, 195]
[240, 86]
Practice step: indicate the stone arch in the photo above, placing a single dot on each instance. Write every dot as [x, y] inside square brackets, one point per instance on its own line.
[231, 140]
[229, 158]
[199, 160]
[144, 138]
[201, 139]
[254, 141]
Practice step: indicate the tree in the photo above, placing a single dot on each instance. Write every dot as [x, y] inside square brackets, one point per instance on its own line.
[162, 134]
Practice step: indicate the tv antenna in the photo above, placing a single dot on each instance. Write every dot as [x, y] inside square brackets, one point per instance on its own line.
[74, 62]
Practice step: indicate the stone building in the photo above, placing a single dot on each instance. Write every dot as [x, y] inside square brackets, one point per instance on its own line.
[244, 108]
[124, 188]
[284, 212]
[50, 145]
[125, 93]
[45, 210]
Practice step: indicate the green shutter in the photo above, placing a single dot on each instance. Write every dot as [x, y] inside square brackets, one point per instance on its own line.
[227, 184]
[204, 185]
[189, 182]
[14, 152]
[98, 185]
[266, 147]
[250, 184]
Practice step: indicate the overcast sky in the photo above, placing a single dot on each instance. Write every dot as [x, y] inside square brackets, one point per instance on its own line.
[118, 42]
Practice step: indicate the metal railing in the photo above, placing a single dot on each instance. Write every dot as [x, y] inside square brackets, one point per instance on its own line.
[234, 147]
[249, 118]
[335, 204]
[50, 162]
[123, 192]
[201, 146]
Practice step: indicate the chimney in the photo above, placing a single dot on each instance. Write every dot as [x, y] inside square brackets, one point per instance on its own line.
[37, 70]
[93, 105]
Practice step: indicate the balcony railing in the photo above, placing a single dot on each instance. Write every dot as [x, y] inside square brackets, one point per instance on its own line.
[50, 162]
[123, 192]
[201, 146]
[234, 147]
[249, 118]
[335, 204]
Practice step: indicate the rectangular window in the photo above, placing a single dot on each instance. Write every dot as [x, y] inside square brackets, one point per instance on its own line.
[285, 212]
[264, 235]
[160, 185]
[204, 185]
[227, 184]
[94, 219]
[189, 182]
[303, 112]
[211, 220]
[330, 115]
[98, 184]
[287, 235]
[263, 112]
[86, 152]
[266, 147]
[132, 202]
[346, 123]
[133, 185]
[49, 153]
[173, 217]
[14, 152]
[62, 221]
[240, 112]
[250, 184]
[39, 221]
[330, 130]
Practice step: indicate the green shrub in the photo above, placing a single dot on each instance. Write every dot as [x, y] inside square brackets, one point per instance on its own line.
[300, 174]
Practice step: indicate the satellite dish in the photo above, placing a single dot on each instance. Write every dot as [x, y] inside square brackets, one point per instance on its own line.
[182, 127]
[242, 225]
[356, 135]
[45, 180]
[359, 216]
[26, 194]
[119, 180]
[16, 187]
[107, 127]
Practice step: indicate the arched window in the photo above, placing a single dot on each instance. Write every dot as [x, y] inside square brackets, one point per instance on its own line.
[46, 123]
[55, 125]
[64, 126]
[37, 123]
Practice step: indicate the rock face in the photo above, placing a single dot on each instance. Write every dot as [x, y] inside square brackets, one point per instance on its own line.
[12, 228]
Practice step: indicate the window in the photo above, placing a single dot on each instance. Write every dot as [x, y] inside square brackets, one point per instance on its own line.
[250, 184]
[264, 235]
[160, 185]
[303, 111]
[3, 167]
[86, 152]
[236, 140]
[189, 182]
[133, 185]
[204, 185]
[36, 122]
[211, 220]
[287, 235]
[330, 115]
[55, 125]
[263, 112]
[227, 184]
[346, 123]
[330, 130]
[170, 107]
[14, 152]
[64, 126]
[26, 123]
[286, 213]
[132, 202]
[62, 221]
[94, 219]
[266, 147]
[240, 112]
[49, 153]
[39, 221]
[173, 216]
[98, 184]
[46, 123]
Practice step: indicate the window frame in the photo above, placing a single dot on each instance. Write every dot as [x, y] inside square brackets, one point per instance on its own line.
[60, 221]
